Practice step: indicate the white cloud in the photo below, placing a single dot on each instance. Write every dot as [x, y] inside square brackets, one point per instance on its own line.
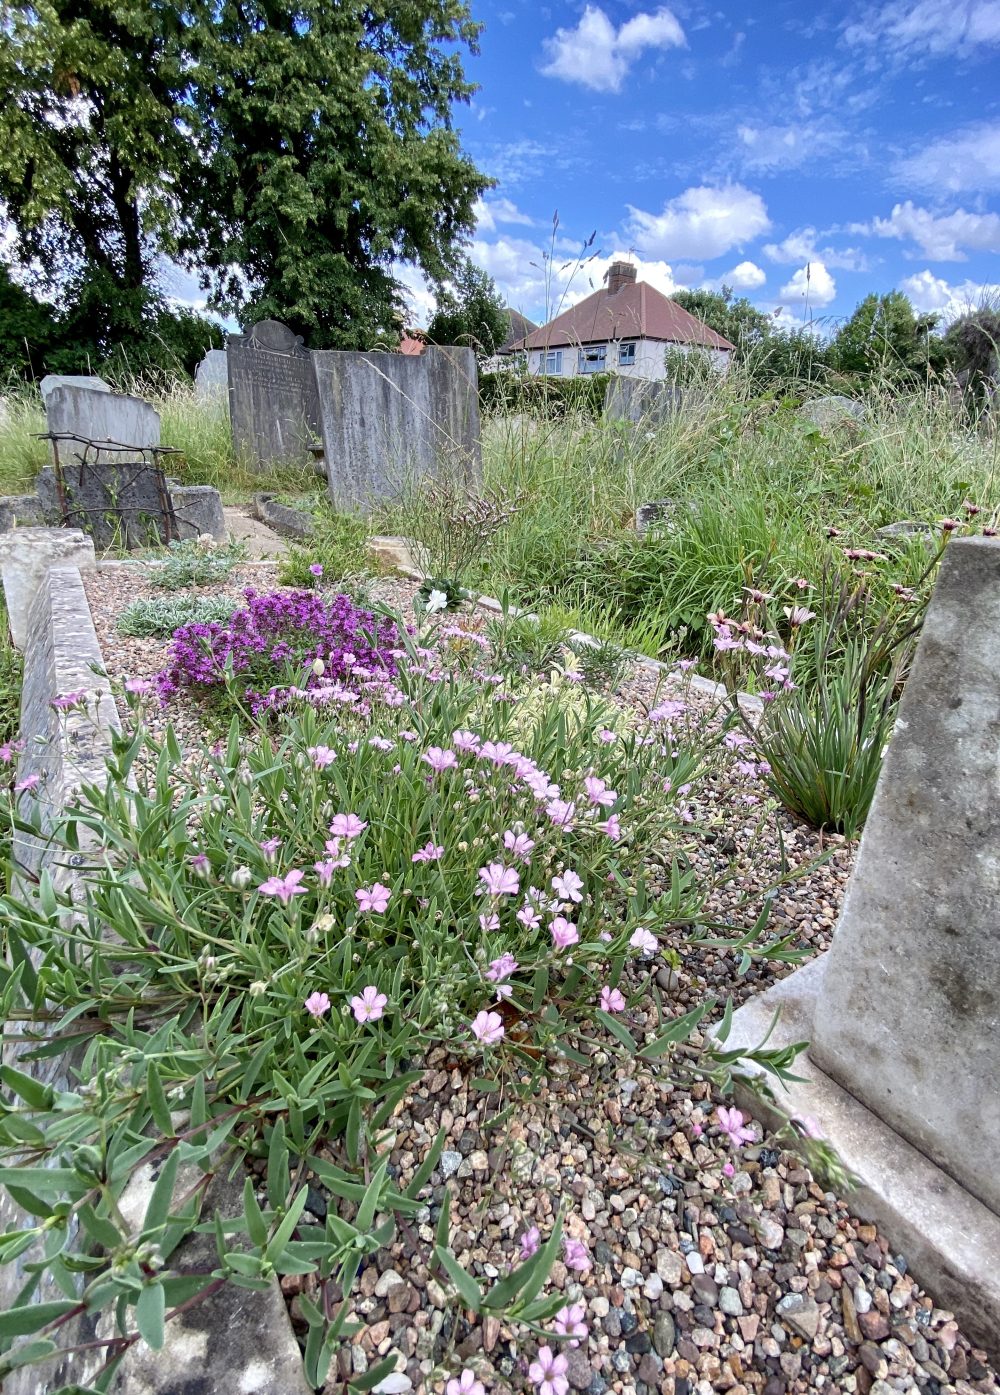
[541, 288]
[966, 160]
[940, 237]
[701, 222]
[918, 28]
[599, 56]
[419, 297]
[932, 293]
[489, 214]
[745, 277]
[802, 246]
[787, 147]
[811, 284]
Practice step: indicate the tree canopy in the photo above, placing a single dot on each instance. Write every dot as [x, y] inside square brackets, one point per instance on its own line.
[290, 151]
[470, 311]
[886, 336]
[732, 316]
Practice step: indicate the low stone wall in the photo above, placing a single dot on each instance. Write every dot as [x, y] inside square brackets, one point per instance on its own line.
[237, 1340]
[282, 518]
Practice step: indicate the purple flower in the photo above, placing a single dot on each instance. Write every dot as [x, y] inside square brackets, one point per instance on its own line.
[569, 1322]
[374, 898]
[200, 865]
[315, 569]
[561, 813]
[564, 933]
[440, 760]
[499, 880]
[30, 782]
[598, 793]
[568, 887]
[67, 701]
[139, 685]
[466, 1384]
[576, 1255]
[611, 1000]
[347, 826]
[284, 887]
[498, 752]
[519, 844]
[465, 741]
[530, 1243]
[490, 921]
[731, 1123]
[321, 756]
[317, 1004]
[548, 1372]
[487, 1027]
[324, 870]
[430, 852]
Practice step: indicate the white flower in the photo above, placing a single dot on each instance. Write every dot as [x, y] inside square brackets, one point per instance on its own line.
[437, 600]
[319, 667]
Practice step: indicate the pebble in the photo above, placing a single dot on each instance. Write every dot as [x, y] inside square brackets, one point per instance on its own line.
[801, 1313]
[670, 1267]
[653, 1287]
[730, 1302]
[664, 1334]
[450, 1162]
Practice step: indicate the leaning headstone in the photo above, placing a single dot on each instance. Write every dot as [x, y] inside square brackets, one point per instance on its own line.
[825, 413]
[909, 1017]
[282, 519]
[80, 380]
[642, 401]
[273, 401]
[211, 377]
[110, 417]
[197, 511]
[390, 420]
[121, 501]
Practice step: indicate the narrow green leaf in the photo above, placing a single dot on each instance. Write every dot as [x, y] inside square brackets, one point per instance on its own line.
[469, 1291]
[149, 1315]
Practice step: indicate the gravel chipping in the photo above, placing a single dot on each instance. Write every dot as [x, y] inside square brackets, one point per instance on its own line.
[712, 1269]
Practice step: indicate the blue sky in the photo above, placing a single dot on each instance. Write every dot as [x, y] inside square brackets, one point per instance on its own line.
[740, 144]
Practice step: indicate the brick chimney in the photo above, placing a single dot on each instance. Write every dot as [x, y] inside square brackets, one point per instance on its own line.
[620, 274]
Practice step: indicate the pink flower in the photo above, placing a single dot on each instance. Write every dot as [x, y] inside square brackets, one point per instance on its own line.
[519, 844]
[284, 887]
[529, 917]
[686, 664]
[381, 743]
[30, 782]
[489, 922]
[731, 1123]
[611, 827]
[568, 887]
[724, 640]
[496, 751]
[374, 898]
[644, 941]
[530, 1242]
[9, 750]
[499, 880]
[607, 736]
[315, 569]
[466, 1384]
[369, 1004]
[138, 685]
[502, 968]
[564, 933]
[569, 1322]
[598, 793]
[487, 1027]
[324, 870]
[728, 1170]
[440, 760]
[548, 1372]
[317, 1004]
[269, 847]
[734, 740]
[347, 826]
[798, 615]
[576, 1255]
[611, 1000]
[465, 740]
[200, 865]
[668, 711]
[561, 813]
[430, 852]
[321, 756]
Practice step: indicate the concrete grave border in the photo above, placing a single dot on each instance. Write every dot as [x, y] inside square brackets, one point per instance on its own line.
[236, 1339]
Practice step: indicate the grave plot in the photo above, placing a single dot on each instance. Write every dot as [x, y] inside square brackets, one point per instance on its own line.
[471, 877]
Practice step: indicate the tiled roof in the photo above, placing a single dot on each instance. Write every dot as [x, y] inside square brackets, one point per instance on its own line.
[636, 311]
[520, 326]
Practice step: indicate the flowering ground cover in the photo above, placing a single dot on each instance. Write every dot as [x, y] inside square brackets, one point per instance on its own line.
[403, 940]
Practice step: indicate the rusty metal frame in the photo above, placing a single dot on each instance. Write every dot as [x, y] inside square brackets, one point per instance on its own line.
[149, 461]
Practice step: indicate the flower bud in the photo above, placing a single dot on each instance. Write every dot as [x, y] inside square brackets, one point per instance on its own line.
[319, 667]
[241, 878]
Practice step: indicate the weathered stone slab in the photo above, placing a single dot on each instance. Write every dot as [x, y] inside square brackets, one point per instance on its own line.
[389, 420]
[197, 510]
[79, 380]
[642, 401]
[100, 416]
[909, 1018]
[25, 556]
[120, 502]
[273, 399]
[21, 511]
[286, 521]
[211, 377]
[829, 412]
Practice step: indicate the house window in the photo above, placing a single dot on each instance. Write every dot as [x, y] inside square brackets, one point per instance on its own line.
[592, 360]
[626, 355]
[550, 361]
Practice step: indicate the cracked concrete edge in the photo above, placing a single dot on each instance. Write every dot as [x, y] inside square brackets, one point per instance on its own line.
[949, 1238]
[237, 1340]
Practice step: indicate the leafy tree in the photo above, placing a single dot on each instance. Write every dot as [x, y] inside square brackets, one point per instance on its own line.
[973, 346]
[789, 357]
[291, 150]
[885, 336]
[27, 330]
[331, 156]
[470, 311]
[734, 318]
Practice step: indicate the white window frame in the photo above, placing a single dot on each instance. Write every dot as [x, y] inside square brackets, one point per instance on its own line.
[550, 362]
[592, 359]
[626, 354]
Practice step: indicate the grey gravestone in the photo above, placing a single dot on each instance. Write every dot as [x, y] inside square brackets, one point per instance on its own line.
[273, 401]
[282, 519]
[54, 380]
[641, 401]
[908, 1019]
[120, 502]
[211, 377]
[389, 420]
[828, 412]
[100, 416]
[197, 510]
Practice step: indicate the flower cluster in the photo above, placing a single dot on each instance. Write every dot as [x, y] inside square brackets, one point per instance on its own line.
[281, 639]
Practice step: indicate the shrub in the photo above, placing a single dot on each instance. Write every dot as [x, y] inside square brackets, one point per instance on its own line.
[198, 562]
[521, 644]
[339, 545]
[281, 640]
[160, 617]
[555, 397]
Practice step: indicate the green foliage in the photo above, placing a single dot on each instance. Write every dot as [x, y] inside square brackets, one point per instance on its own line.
[291, 153]
[522, 644]
[27, 330]
[733, 317]
[339, 545]
[470, 311]
[554, 397]
[198, 562]
[330, 156]
[884, 337]
[973, 343]
[158, 618]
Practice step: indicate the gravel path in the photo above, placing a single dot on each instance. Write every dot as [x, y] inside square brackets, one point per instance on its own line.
[711, 1269]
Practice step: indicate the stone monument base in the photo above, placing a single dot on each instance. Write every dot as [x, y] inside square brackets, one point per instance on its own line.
[951, 1241]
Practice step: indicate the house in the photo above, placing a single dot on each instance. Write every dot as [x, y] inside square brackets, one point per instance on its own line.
[627, 327]
[509, 354]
